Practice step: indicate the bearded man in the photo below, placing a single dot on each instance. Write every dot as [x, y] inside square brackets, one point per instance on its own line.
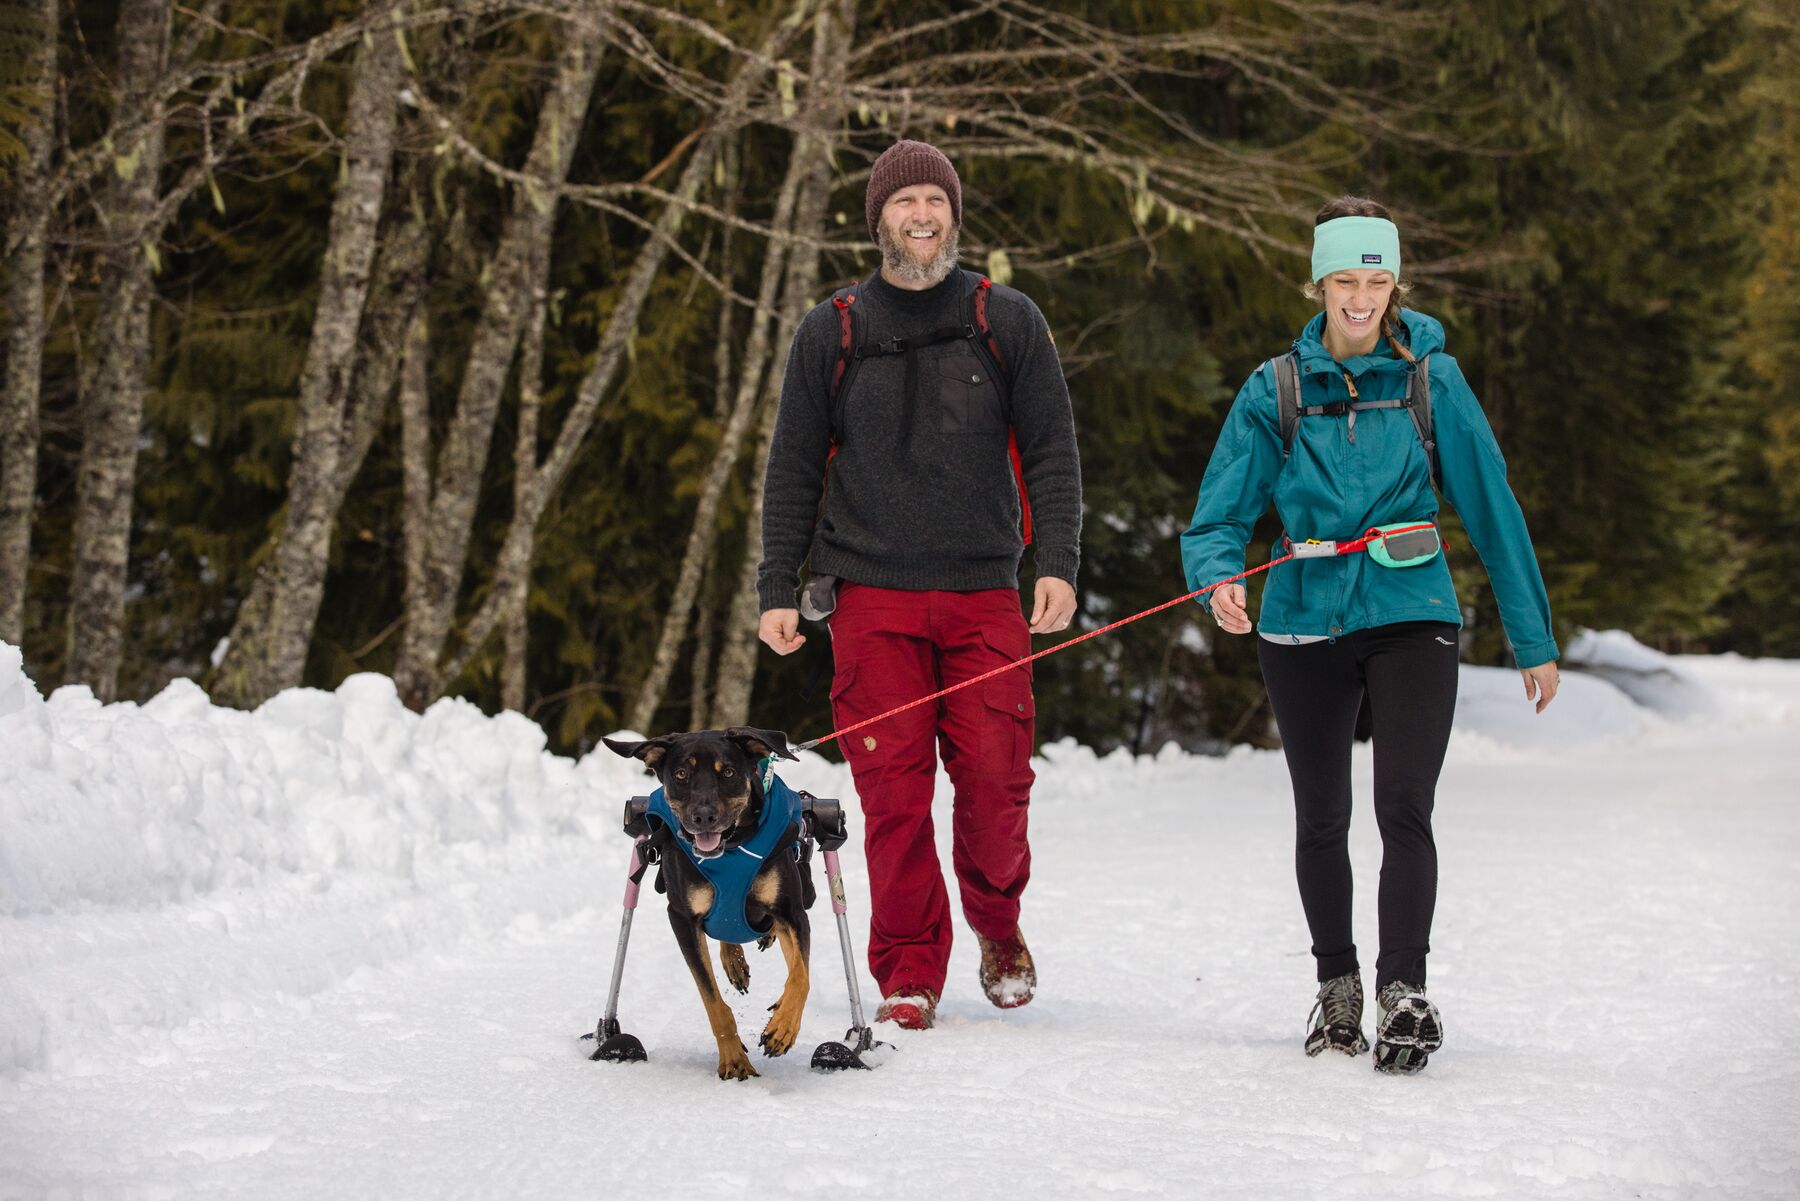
[926, 405]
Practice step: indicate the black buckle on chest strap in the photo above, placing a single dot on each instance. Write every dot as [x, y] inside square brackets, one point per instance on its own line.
[870, 350]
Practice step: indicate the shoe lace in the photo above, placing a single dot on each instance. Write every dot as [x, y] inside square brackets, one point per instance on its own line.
[1395, 991]
[1340, 999]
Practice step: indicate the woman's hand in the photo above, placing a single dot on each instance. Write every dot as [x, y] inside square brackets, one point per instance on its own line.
[1228, 606]
[1542, 682]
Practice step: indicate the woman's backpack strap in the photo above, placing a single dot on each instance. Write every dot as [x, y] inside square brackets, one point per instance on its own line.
[1286, 370]
[1418, 395]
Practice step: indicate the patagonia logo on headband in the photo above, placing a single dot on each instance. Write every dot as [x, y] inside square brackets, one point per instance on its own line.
[1371, 258]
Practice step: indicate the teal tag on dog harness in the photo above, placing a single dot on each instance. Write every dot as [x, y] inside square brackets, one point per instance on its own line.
[1404, 544]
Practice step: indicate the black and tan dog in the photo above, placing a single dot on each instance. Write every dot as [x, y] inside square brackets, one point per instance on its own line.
[720, 805]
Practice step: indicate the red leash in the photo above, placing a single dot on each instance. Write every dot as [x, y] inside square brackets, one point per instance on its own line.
[1309, 549]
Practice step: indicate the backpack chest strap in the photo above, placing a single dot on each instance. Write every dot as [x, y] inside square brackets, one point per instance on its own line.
[1416, 401]
[895, 346]
[1338, 408]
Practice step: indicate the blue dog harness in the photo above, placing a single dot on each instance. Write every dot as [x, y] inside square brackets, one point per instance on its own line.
[730, 873]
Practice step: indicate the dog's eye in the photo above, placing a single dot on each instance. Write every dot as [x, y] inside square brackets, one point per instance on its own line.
[681, 773]
[728, 773]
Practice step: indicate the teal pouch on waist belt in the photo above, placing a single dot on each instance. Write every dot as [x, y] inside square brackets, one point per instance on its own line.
[1404, 543]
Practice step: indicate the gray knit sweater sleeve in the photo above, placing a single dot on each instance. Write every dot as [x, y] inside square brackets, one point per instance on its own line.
[1044, 422]
[797, 457]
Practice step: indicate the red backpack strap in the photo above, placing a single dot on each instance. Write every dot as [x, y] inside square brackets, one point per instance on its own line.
[844, 299]
[983, 286]
[1012, 448]
[846, 337]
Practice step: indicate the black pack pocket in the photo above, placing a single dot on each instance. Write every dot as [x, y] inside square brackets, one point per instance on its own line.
[969, 396]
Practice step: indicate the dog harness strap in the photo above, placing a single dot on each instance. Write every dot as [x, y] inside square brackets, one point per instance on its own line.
[732, 873]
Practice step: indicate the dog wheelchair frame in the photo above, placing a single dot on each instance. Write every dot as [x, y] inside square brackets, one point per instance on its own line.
[822, 822]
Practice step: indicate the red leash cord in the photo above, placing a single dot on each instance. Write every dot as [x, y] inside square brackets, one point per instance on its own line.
[1337, 548]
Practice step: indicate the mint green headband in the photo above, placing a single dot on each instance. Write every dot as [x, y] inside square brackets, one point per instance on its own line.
[1348, 243]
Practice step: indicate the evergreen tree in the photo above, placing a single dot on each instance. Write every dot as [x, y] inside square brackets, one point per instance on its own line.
[1601, 176]
[1761, 614]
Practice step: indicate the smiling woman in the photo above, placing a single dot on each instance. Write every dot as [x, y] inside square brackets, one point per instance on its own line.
[1352, 293]
[1337, 627]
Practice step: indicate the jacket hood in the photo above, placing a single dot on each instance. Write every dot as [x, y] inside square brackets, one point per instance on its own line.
[1424, 335]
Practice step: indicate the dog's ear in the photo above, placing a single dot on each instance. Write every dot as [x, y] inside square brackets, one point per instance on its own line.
[651, 750]
[761, 742]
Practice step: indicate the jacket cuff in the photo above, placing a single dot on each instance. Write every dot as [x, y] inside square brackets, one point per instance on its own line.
[1536, 654]
[1059, 564]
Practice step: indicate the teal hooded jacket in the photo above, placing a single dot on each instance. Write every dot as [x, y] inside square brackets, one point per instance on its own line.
[1340, 480]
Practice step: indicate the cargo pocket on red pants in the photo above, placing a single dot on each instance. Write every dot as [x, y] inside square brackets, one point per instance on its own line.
[862, 749]
[1006, 732]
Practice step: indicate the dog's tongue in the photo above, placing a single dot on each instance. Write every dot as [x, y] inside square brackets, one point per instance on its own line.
[708, 842]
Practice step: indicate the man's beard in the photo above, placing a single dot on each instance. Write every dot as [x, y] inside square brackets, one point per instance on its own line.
[898, 259]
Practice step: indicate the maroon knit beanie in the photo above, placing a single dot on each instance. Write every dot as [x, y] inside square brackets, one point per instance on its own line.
[907, 163]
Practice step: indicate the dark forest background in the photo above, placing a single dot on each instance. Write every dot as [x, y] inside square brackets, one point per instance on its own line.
[442, 339]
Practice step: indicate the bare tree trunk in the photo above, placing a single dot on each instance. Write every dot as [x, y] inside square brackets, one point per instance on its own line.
[737, 662]
[731, 159]
[706, 646]
[262, 660]
[112, 409]
[397, 295]
[706, 636]
[621, 327]
[415, 453]
[24, 308]
[725, 457]
[462, 462]
[531, 375]
[393, 298]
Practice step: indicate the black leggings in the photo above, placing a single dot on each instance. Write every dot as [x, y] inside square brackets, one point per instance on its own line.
[1409, 672]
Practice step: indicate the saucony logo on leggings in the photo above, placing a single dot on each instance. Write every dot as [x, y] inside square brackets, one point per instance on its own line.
[1445, 641]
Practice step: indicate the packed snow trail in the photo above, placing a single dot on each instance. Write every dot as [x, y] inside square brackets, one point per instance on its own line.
[334, 949]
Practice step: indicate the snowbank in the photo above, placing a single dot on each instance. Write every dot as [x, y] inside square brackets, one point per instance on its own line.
[1651, 678]
[138, 805]
[1492, 713]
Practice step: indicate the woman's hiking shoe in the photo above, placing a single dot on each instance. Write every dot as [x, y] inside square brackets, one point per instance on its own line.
[909, 1009]
[1407, 1029]
[1337, 1017]
[1008, 976]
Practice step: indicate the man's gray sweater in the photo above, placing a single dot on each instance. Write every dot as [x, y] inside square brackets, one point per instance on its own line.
[921, 492]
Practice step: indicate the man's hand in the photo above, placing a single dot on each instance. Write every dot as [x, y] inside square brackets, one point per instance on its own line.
[1541, 683]
[781, 630]
[1054, 606]
[1228, 606]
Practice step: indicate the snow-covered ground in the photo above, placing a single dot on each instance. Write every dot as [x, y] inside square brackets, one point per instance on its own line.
[333, 949]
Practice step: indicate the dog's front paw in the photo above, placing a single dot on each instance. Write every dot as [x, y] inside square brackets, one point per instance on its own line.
[737, 968]
[779, 1035]
[736, 1065]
